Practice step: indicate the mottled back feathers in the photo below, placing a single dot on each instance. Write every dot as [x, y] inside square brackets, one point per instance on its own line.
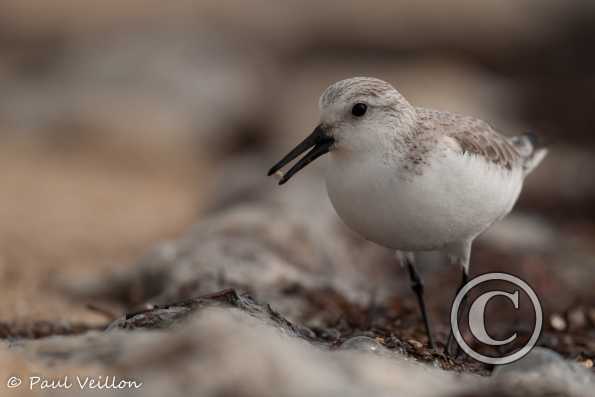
[478, 138]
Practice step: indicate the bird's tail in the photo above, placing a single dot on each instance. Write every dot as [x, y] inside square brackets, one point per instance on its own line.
[531, 148]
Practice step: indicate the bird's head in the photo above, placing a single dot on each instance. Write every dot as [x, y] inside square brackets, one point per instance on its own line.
[357, 115]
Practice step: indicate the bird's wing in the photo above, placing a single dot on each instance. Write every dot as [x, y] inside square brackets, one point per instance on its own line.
[490, 145]
[473, 136]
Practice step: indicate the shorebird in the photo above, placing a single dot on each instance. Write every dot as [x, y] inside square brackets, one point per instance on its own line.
[413, 179]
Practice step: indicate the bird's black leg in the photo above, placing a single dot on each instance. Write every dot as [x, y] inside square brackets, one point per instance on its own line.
[452, 347]
[418, 287]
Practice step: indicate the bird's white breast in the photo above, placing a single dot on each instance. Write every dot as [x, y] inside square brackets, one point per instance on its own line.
[452, 198]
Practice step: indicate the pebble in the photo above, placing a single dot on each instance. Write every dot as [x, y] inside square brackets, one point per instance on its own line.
[363, 344]
[544, 367]
[577, 318]
[415, 343]
[537, 358]
[557, 322]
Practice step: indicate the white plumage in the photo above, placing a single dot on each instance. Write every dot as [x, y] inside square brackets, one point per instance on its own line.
[413, 179]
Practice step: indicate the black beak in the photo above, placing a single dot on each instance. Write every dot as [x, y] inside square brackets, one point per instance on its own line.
[320, 143]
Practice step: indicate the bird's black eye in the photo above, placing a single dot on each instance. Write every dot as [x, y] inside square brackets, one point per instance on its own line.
[359, 109]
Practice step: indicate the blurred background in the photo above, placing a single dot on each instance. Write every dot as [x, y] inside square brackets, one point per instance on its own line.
[119, 120]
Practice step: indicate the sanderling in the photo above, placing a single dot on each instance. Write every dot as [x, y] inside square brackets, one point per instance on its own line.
[413, 179]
